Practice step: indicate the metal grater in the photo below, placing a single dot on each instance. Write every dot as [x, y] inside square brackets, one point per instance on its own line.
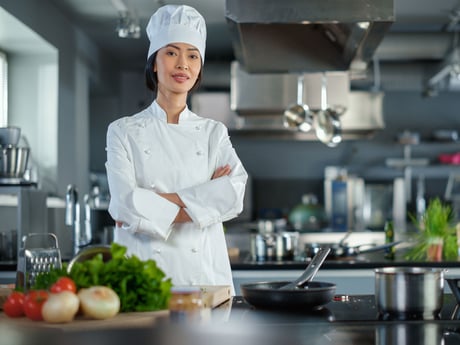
[39, 253]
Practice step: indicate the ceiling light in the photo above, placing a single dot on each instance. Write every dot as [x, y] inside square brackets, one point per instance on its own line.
[127, 27]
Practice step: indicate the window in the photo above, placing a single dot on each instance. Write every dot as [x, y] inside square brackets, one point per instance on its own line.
[3, 90]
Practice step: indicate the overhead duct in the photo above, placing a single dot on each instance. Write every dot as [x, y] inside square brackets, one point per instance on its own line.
[273, 36]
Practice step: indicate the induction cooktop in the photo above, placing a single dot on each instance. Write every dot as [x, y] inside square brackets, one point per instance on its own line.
[343, 308]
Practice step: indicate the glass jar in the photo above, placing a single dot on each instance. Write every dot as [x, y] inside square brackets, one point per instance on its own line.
[185, 304]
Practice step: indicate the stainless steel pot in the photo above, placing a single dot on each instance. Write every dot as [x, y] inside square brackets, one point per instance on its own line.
[275, 246]
[409, 291]
[13, 161]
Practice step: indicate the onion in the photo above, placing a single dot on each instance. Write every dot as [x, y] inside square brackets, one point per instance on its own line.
[99, 302]
[60, 307]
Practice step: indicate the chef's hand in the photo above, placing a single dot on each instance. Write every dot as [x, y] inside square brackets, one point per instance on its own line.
[172, 197]
[182, 216]
[222, 171]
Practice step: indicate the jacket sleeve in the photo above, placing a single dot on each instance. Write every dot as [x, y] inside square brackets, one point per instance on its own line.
[139, 209]
[219, 199]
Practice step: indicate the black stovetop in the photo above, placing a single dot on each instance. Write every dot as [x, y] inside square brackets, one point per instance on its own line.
[354, 308]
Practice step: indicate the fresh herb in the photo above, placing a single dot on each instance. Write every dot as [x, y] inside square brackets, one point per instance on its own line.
[141, 285]
[436, 223]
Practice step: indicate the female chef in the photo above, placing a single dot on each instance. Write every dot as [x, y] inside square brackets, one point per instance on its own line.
[174, 176]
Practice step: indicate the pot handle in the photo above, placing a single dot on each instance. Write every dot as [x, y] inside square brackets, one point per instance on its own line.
[454, 284]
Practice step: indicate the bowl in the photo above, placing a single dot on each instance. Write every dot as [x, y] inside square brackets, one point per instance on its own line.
[9, 136]
[13, 161]
[88, 253]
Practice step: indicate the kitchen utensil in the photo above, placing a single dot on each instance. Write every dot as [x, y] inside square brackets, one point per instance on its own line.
[309, 272]
[286, 245]
[327, 122]
[341, 250]
[328, 127]
[39, 253]
[263, 247]
[298, 116]
[408, 138]
[269, 295]
[13, 161]
[9, 136]
[446, 135]
[88, 253]
[409, 291]
[271, 246]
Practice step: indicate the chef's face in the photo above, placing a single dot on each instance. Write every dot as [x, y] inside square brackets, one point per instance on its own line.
[177, 66]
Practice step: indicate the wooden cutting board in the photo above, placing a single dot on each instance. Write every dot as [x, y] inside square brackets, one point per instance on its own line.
[212, 296]
[215, 295]
[122, 320]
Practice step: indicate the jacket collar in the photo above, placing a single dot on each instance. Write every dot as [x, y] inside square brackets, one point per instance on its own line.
[159, 113]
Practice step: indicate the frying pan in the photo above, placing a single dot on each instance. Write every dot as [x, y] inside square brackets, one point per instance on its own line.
[340, 250]
[302, 294]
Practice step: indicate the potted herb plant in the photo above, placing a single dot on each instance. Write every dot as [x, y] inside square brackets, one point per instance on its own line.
[436, 239]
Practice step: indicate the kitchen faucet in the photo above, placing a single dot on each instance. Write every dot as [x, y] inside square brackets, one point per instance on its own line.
[72, 218]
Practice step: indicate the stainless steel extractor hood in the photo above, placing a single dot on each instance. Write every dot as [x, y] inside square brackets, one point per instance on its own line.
[275, 36]
[259, 101]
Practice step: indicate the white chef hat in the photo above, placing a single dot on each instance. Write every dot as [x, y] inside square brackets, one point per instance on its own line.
[176, 23]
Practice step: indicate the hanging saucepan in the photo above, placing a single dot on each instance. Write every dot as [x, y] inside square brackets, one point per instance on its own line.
[299, 295]
[298, 116]
[327, 123]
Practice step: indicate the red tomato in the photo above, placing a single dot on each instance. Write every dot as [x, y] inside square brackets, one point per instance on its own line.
[14, 304]
[64, 284]
[33, 303]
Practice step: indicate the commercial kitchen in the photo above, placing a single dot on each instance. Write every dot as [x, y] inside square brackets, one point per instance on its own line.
[345, 117]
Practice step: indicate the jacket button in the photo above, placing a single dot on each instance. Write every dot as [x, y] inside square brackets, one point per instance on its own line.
[147, 151]
[194, 250]
[199, 153]
[157, 251]
[197, 128]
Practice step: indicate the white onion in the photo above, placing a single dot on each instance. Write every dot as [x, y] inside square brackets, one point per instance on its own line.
[60, 307]
[99, 302]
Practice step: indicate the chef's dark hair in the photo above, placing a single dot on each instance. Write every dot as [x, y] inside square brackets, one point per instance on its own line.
[151, 79]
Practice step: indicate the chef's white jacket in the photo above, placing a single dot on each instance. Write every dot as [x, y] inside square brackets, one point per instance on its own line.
[146, 155]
